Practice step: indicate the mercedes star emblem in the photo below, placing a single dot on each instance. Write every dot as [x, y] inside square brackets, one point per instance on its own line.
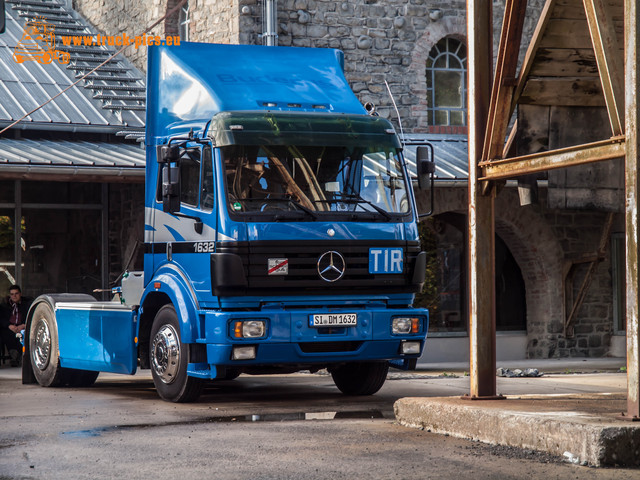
[331, 266]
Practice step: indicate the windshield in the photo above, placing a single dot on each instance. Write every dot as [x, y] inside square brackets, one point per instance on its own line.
[315, 180]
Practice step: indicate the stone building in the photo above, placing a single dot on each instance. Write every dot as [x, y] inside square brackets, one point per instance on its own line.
[547, 259]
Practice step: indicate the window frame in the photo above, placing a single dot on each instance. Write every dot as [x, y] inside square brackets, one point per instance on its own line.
[448, 48]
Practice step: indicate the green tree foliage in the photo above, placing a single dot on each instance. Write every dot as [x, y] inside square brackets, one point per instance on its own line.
[6, 232]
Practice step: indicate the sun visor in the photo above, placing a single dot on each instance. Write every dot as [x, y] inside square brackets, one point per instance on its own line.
[292, 128]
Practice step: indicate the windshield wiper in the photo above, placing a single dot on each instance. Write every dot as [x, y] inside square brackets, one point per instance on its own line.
[293, 202]
[359, 199]
[302, 207]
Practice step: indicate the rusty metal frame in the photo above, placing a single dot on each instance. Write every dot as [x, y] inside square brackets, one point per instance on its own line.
[482, 321]
[545, 15]
[632, 204]
[605, 46]
[505, 82]
[486, 164]
[560, 158]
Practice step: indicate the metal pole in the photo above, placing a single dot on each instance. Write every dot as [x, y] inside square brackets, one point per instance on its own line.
[104, 243]
[632, 202]
[269, 22]
[482, 335]
[18, 231]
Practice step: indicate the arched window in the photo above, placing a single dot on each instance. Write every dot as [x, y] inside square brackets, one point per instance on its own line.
[447, 83]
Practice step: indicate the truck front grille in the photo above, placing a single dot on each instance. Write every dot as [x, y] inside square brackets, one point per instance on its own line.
[302, 276]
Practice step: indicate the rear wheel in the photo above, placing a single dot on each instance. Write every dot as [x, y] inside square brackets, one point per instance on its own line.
[360, 378]
[43, 347]
[169, 359]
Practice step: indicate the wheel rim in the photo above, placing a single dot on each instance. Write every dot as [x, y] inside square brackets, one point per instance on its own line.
[42, 345]
[165, 354]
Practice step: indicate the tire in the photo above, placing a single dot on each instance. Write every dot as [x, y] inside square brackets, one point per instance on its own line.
[361, 378]
[169, 358]
[43, 347]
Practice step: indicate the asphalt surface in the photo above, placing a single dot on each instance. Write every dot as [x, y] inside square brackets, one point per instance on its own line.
[272, 427]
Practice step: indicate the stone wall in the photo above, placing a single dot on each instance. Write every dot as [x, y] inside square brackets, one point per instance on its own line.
[544, 243]
[381, 39]
[210, 21]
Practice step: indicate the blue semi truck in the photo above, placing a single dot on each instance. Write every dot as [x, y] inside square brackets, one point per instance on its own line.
[280, 235]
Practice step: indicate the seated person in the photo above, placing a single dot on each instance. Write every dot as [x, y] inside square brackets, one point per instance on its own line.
[12, 321]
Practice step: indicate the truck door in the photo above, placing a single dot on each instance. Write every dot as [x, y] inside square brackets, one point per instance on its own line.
[196, 239]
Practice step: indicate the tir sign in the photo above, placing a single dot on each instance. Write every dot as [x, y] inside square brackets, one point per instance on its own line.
[385, 260]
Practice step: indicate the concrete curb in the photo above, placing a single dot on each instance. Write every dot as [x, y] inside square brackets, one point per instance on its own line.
[589, 439]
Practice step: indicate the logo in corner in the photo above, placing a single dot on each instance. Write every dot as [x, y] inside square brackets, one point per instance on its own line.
[331, 266]
[38, 44]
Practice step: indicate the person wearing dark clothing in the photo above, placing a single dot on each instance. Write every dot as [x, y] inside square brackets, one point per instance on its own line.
[12, 322]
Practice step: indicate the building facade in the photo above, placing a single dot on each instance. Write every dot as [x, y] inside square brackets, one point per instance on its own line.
[558, 293]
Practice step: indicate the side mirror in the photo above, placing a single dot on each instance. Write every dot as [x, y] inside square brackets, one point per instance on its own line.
[170, 189]
[426, 167]
[167, 153]
[426, 170]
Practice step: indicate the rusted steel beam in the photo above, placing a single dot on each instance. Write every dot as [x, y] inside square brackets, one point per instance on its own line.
[543, 161]
[529, 57]
[482, 335]
[609, 59]
[632, 194]
[508, 145]
[504, 83]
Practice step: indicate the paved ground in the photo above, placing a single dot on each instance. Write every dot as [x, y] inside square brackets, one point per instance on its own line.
[296, 426]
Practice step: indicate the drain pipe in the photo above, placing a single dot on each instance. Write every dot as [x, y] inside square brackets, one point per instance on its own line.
[269, 19]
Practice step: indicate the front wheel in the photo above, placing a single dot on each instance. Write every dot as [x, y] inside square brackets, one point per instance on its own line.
[360, 378]
[169, 359]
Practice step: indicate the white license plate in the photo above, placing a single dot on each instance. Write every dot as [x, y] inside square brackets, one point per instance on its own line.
[334, 320]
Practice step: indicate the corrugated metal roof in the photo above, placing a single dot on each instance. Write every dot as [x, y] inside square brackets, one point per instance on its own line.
[111, 100]
[23, 157]
[450, 151]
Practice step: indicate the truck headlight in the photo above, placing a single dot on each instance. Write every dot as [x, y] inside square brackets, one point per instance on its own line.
[249, 329]
[405, 325]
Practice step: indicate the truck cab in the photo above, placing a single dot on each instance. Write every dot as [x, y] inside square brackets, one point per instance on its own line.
[280, 225]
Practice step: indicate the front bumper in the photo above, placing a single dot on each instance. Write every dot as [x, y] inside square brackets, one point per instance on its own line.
[290, 340]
